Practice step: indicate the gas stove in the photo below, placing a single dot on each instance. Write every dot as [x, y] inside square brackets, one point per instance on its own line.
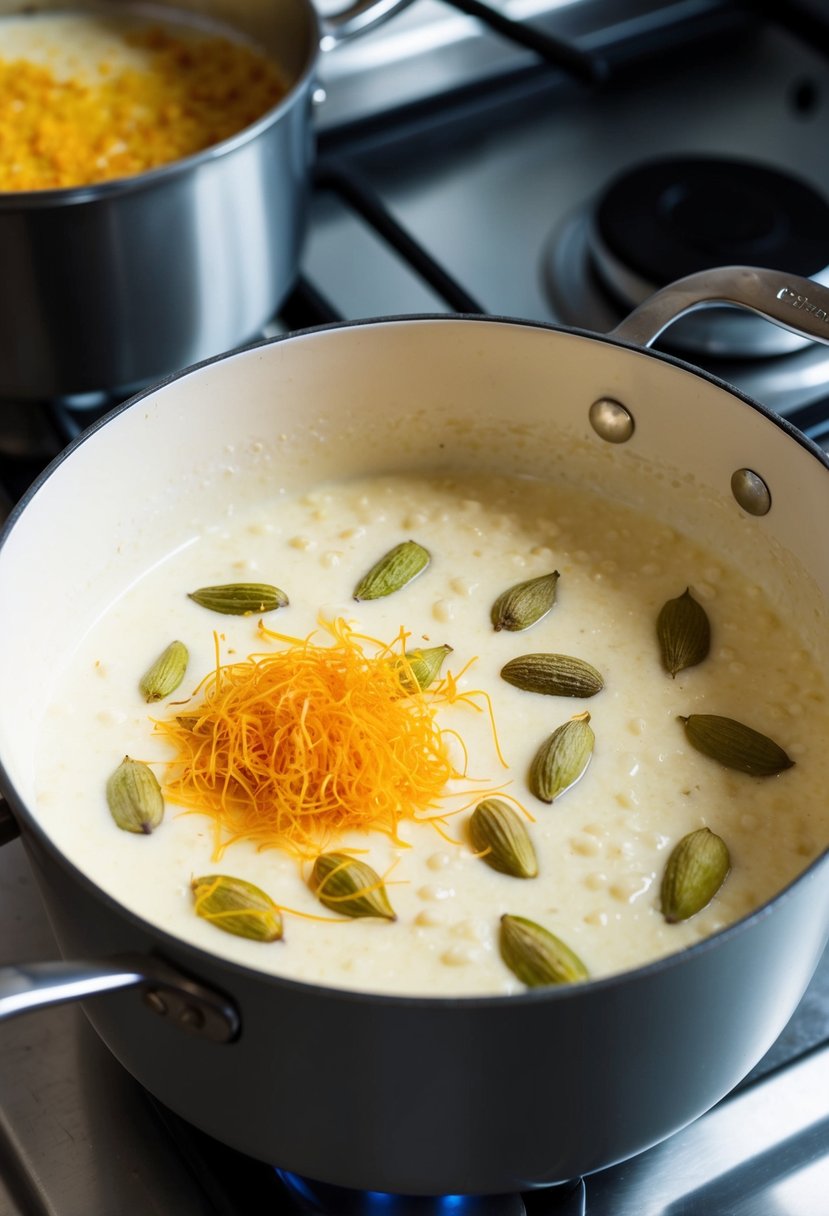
[470, 164]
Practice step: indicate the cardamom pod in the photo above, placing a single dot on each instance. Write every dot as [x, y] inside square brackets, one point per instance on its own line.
[349, 886]
[536, 956]
[557, 675]
[237, 907]
[684, 633]
[134, 797]
[399, 566]
[166, 673]
[562, 759]
[696, 869]
[425, 665]
[500, 836]
[240, 599]
[525, 603]
[735, 745]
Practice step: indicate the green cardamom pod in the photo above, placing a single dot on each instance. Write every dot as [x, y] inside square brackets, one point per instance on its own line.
[500, 836]
[399, 566]
[237, 907]
[684, 633]
[562, 759]
[696, 869]
[425, 666]
[166, 673]
[134, 797]
[536, 956]
[349, 886]
[557, 675]
[240, 599]
[525, 603]
[735, 745]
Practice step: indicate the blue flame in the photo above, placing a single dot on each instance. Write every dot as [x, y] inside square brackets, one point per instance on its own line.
[379, 1203]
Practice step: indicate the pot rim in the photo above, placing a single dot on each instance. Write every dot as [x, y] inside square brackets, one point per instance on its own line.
[13, 200]
[175, 947]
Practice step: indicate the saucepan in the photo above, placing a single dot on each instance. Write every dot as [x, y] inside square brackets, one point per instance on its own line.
[108, 287]
[417, 1095]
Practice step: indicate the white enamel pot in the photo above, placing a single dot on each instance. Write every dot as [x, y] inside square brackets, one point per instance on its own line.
[415, 1095]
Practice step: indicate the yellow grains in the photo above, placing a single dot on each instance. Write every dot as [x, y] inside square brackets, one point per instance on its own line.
[59, 131]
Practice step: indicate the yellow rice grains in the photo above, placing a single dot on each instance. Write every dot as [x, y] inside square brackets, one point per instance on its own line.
[183, 92]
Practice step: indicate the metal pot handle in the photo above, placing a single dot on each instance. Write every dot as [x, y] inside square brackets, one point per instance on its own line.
[166, 991]
[355, 19]
[792, 302]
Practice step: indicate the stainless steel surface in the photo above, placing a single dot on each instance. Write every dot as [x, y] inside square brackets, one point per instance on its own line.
[795, 304]
[762, 1152]
[433, 47]
[506, 206]
[114, 285]
[357, 17]
[197, 1010]
[716, 331]
[111, 286]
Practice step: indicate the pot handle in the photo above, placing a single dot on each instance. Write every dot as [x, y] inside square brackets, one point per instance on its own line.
[355, 19]
[790, 301]
[167, 992]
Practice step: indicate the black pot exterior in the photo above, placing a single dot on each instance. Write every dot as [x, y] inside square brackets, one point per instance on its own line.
[421, 1096]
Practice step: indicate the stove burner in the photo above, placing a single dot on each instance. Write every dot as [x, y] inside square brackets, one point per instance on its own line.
[666, 218]
[319, 1199]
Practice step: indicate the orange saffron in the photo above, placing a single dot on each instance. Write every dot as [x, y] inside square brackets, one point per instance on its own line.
[291, 748]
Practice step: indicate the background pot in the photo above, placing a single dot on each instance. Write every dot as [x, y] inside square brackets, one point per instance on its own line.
[422, 1095]
[111, 286]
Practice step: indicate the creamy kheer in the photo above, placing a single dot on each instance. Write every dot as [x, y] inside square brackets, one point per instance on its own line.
[602, 846]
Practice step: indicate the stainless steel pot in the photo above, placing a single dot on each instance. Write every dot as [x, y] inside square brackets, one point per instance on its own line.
[416, 1095]
[109, 287]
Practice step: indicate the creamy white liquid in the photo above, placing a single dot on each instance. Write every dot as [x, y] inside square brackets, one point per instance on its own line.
[88, 47]
[602, 846]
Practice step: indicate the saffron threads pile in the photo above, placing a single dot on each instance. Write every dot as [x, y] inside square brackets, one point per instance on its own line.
[291, 748]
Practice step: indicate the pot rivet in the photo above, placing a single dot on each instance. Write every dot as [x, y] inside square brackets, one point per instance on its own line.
[192, 1018]
[751, 492]
[611, 421]
[155, 1001]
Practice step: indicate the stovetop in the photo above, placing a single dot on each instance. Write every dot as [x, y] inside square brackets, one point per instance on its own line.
[459, 171]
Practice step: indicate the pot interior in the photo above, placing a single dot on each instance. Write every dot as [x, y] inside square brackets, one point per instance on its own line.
[414, 395]
[286, 29]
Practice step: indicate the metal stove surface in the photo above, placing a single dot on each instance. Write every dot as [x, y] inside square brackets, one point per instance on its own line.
[498, 201]
[486, 181]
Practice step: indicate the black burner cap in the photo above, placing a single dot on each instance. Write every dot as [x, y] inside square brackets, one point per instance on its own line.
[667, 218]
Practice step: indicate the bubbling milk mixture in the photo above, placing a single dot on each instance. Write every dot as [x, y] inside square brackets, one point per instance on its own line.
[602, 846]
[87, 97]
